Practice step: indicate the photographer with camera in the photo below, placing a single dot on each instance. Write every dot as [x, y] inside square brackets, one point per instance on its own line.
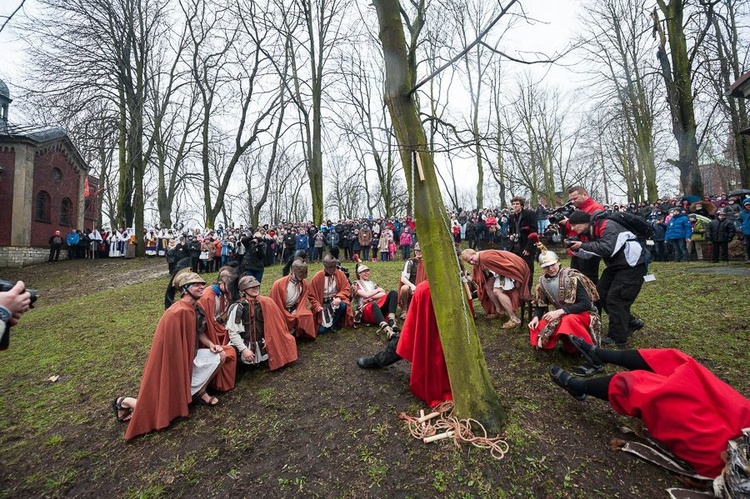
[580, 199]
[625, 258]
[14, 302]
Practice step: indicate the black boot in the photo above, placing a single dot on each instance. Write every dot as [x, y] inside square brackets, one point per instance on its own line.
[381, 359]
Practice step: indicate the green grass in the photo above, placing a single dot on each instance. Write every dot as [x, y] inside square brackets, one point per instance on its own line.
[60, 435]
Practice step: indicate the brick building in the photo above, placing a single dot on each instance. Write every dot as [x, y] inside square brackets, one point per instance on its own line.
[43, 181]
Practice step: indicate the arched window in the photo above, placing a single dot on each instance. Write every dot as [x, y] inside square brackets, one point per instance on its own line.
[66, 211]
[56, 175]
[43, 202]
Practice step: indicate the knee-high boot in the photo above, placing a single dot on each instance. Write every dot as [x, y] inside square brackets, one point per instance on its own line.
[381, 359]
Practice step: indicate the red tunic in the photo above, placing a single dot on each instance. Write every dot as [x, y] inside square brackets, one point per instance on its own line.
[165, 385]
[217, 333]
[420, 344]
[344, 293]
[684, 406]
[367, 315]
[302, 319]
[506, 264]
[571, 324]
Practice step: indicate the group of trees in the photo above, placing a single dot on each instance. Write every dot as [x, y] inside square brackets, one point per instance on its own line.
[248, 110]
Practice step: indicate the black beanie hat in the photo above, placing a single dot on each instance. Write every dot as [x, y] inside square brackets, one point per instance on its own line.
[579, 217]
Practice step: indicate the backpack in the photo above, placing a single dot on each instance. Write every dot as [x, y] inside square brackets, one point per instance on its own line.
[635, 224]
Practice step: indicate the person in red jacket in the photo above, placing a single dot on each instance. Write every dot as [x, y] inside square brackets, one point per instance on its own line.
[582, 201]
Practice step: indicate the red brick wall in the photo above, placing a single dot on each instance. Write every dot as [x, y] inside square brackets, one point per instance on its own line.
[58, 189]
[8, 164]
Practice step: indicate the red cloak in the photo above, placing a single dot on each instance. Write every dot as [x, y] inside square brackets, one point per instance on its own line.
[281, 346]
[684, 406]
[570, 324]
[165, 385]
[302, 319]
[217, 333]
[344, 293]
[506, 264]
[420, 344]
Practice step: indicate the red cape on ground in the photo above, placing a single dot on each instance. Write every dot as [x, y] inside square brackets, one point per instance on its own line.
[344, 293]
[303, 318]
[506, 264]
[217, 333]
[420, 344]
[684, 406]
[282, 347]
[165, 385]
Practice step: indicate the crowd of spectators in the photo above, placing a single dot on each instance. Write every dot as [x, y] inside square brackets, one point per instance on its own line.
[682, 227]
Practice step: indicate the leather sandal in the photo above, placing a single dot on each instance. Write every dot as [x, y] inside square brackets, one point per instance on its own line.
[562, 378]
[511, 324]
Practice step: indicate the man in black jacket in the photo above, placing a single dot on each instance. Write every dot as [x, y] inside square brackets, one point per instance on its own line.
[720, 231]
[622, 279]
[255, 251]
[521, 223]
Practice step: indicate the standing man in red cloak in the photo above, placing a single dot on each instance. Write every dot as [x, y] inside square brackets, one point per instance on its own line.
[291, 295]
[176, 371]
[419, 343]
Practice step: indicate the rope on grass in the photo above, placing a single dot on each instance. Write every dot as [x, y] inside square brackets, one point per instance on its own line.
[441, 423]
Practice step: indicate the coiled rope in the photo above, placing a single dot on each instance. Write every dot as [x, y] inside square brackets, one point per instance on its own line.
[441, 423]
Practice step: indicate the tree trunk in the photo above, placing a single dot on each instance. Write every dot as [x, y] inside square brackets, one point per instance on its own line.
[472, 388]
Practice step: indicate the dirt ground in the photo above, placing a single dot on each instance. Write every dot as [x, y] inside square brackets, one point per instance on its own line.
[325, 428]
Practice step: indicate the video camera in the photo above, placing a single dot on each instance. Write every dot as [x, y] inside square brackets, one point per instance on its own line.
[563, 211]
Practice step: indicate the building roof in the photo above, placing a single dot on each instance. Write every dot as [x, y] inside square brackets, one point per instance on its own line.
[741, 87]
[40, 136]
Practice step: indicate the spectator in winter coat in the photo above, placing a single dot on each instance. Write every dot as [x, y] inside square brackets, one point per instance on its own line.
[745, 226]
[660, 231]
[719, 232]
[678, 233]
[405, 241]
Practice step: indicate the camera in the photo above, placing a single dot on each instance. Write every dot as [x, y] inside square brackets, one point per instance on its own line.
[6, 286]
[563, 211]
[569, 241]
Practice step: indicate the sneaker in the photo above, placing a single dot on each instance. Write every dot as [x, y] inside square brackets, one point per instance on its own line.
[562, 378]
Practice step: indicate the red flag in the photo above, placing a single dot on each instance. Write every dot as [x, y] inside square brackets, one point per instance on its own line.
[86, 187]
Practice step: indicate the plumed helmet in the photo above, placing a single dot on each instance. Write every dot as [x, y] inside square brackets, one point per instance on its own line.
[186, 277]
[548, 258]
[248, 281]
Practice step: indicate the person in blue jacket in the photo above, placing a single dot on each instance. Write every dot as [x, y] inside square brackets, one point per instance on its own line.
[745, 226]
[678, 233]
